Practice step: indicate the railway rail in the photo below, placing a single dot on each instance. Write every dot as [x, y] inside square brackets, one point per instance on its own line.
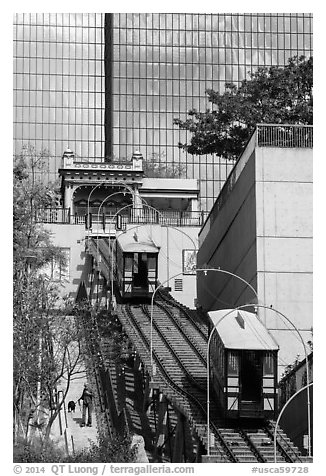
[166, 321]
[198, 323]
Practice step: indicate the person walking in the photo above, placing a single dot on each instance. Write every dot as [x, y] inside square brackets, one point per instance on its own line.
[87, 397]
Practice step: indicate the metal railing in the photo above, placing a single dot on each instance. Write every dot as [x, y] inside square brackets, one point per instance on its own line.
[53, 215]
[284, 135]
[165, 217]
[77, 219]
[134, 216]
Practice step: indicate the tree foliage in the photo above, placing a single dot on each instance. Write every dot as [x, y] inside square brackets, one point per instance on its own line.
[156, 166]
[45, 341]
[105, 450]
[30, 196]
[271, 95]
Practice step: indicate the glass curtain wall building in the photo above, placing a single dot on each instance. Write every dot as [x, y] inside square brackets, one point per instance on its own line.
[59, 86]
[107, 84]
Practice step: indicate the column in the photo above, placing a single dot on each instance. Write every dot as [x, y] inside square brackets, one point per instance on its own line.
[194, 204]
[137, 205]
[195, 214]
[68, 197]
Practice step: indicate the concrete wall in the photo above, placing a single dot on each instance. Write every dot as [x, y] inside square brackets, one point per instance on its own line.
[73, 238]
[170, 263]
[263, 233]
[231, 245]
[284, 243]
[294, 420]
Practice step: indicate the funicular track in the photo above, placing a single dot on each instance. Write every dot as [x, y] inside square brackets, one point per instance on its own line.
[175, 306]
[197, 348]
[180, 378]
[170, 381]
[184, 353]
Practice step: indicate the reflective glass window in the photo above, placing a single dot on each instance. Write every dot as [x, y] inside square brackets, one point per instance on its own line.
[71, 46]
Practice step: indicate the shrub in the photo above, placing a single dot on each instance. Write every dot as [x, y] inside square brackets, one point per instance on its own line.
[35, 452]
[106, 450]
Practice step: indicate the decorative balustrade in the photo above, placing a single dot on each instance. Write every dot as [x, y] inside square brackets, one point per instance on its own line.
[53, 215]
[105, 221]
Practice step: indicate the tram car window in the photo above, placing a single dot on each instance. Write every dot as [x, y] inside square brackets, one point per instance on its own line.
[136, 265]
[243, 365]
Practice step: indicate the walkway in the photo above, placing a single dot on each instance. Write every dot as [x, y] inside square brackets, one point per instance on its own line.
[78, 437]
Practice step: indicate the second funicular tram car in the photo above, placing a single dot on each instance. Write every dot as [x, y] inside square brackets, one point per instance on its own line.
[136, 264]
[243, 365]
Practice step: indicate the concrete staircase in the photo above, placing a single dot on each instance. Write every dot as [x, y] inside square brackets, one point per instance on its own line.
[238, 445]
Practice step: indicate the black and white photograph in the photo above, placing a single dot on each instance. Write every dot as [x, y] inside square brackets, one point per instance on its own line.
[162, 240]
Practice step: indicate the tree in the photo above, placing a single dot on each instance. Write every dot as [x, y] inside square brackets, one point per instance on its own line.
[156, 167]
[30, 196]
[36, 162]
[47, 356]
[46, 344]
[273, 95]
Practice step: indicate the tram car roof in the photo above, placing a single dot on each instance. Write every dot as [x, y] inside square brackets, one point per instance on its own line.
[136, 240]
[242, 330]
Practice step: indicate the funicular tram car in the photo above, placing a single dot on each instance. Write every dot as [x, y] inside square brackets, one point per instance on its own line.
[243, 365]
[136, 265]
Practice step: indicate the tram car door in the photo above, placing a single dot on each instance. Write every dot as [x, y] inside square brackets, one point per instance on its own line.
[140, 271]
[251, 383]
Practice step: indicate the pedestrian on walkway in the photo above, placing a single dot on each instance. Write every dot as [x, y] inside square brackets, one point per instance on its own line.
[87, 397]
